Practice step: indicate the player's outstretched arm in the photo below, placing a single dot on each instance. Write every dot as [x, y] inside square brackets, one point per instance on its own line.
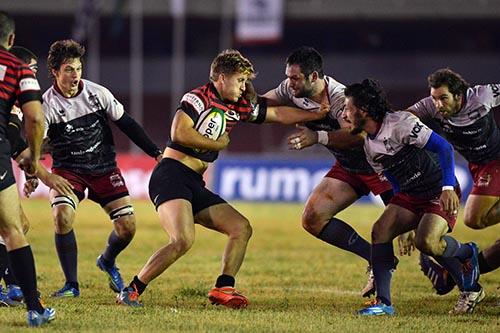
[289, 115]
[138, 136]
[338, 139]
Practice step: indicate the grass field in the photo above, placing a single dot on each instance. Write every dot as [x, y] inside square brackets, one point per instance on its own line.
[295, 282]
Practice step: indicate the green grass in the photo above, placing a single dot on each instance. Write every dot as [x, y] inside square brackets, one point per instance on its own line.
[295, 282]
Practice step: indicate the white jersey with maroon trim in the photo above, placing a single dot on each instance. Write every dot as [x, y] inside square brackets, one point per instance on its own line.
[472, 131]
[78, 129]
[396, 150]
[353, 160]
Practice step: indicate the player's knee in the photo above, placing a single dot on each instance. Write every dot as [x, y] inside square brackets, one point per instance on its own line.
[381, 232]
[63, 209]
[311, 220]
[182, 244]
[124, 221]
[474, 221]
[427, 245]
[243, 230]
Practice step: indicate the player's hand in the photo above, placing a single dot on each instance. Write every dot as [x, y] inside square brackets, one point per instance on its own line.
[28, 165]
[449, 202]
[30, 186]
[324, 109]
[223, 141]
[302, 139]
[59, 184]
[250, 94]
[406, 243]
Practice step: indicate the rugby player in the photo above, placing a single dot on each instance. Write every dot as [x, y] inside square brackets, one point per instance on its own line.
[177, 188]
[351, 177]
[77, 116]
[426, 193]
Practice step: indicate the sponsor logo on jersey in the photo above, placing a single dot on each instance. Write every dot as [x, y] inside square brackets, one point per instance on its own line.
[29, 84]
[95, 103]
[116, 180]
[388, 146]
[496, 90]
[484, 180]
[232, 116]
[3, 70]
[416, 129]
[195, 102]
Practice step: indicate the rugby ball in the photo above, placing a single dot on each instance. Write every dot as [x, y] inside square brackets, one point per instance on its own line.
[211, 123]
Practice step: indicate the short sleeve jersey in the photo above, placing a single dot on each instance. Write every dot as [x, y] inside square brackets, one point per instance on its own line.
[353, 160]
[472, 131]
[206, 97]
[396, 150]
[17, 83]
[78, 128]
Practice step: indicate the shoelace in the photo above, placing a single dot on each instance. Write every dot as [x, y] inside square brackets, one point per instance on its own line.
[463, 301]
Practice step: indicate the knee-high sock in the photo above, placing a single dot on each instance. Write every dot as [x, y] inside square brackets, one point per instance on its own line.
[68, 255]
[340, 234]
[23, 266]
[456, 249]
[114, 247]
[3, 260]
[454, 267]
[382, 265]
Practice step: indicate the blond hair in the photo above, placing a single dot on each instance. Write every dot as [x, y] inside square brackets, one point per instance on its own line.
[231, 62]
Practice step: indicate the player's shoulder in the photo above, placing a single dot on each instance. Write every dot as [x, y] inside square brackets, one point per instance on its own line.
[92, 87]
[199, 98]
[8, 59]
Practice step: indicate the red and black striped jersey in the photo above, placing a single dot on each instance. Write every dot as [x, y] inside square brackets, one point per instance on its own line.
[206, 97]
[17, 83]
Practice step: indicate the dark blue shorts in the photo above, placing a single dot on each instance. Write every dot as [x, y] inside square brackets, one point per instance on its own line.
[173, 180]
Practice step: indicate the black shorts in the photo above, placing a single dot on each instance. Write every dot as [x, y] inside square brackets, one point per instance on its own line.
[6, 173]
[173, 180]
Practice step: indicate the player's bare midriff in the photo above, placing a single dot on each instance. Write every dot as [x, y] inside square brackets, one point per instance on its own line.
[191, 162]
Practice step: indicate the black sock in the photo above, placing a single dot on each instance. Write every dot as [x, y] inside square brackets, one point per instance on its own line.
[224, 281]
[3, 260]
[114, 247]
[340, 234]
[383, 264]
[23, 266]
[138, 285]
[67, 252]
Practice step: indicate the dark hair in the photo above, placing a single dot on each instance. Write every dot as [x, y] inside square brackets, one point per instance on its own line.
[369, 96]
[231, 62]
[446, 77]
[62, 50]
[7, 26]
[23, 54]
[308, 59]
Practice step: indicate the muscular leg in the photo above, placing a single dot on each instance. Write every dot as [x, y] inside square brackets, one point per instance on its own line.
[176, 217]
[330, 197]
[394, 221]
[19, 251]
[9, 277]
[481, 211]
[431, 239]
[64, 216]
[489, 258]
[121, 213]
[227, 220]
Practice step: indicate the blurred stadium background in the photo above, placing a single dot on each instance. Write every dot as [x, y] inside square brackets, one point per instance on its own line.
[149, 52]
